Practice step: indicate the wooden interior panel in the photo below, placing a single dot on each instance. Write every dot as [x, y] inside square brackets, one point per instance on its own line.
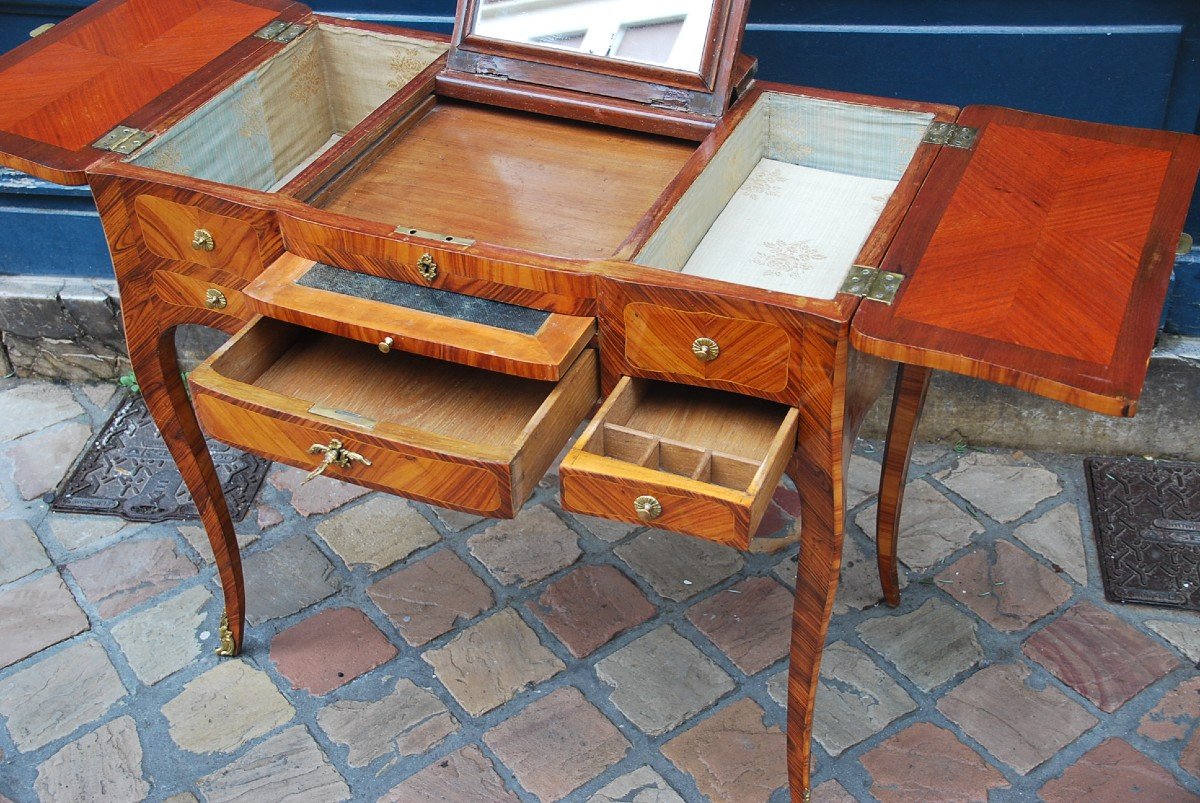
[469, 171]
[1040, 259]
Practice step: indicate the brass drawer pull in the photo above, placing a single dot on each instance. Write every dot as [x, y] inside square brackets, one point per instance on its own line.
[385, 345]
[1185, 244]
[706, 349]
[215, 299]
[335, 454]
[647, 508]
[427, 267]
[203, 240]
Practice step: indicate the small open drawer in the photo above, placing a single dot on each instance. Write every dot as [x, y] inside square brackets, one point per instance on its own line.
[449, 434]
[403, 316]
[693, 460]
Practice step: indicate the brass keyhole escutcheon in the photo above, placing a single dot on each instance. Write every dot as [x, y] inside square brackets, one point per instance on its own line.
[706, 349]
[427, 267]
[647, 508]
[215, 299]
[203, 240]
[385, 345]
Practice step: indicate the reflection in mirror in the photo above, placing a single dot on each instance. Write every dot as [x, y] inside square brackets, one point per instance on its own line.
[668, 33]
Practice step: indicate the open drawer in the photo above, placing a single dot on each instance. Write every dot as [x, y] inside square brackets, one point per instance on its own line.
[393, 314]
[693, 460]
[448, 434]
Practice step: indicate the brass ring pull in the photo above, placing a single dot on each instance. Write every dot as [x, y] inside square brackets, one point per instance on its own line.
[203, 240]
[385, 345]
[427, 267]
[706, 349]
[647, 508]
[215, 299]
[335, 454]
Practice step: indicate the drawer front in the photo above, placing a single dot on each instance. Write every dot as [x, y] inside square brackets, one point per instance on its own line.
[393, 468]
[703, 337]
[188, 234]
[612, 496]
[181, 290]
[701, 345]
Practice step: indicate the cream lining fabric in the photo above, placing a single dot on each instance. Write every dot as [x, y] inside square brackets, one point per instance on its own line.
[828, 167]
[755, 240]
[286, 112]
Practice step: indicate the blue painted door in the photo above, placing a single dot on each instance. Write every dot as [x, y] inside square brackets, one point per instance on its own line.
[1131, 62]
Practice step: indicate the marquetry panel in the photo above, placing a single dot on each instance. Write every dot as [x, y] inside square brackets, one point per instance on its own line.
[1040, 259]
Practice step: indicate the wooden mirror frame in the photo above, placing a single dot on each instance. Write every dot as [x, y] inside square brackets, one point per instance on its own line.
[705, 92]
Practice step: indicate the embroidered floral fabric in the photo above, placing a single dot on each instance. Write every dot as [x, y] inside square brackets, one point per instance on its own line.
[792, 229]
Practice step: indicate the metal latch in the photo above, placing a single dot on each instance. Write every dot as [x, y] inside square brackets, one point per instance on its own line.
[433, 235]
[123, 140]
[951, 135]
[872, 283]
[281, 32]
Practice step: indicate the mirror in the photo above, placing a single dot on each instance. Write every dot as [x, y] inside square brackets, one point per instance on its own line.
[664, 33]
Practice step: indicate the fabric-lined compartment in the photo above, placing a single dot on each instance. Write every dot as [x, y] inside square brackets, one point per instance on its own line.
[280, 117]
[791, 196]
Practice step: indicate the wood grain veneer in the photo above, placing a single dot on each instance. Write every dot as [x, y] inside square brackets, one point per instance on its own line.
[469, 171]
[169, 228]
[1039, 259]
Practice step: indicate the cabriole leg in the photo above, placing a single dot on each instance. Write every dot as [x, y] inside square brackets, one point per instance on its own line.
[912, 384]
[156, 367]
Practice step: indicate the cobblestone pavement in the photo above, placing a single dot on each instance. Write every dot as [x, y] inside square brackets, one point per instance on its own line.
[403, 652]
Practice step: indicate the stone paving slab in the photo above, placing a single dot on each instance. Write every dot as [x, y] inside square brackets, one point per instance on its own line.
[565, 657]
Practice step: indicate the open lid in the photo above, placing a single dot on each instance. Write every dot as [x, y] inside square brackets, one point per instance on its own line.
[1039, 258]
[121, 63]
[674, 56]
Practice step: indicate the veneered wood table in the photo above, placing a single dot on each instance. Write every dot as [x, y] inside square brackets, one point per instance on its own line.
[437, 257]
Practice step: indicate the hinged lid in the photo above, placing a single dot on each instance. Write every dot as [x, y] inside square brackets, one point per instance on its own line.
[119, 65]
[1039, 259]
[676, 56]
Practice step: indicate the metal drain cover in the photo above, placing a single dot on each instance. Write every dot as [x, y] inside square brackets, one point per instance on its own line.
[1146, 515]
[128, 472]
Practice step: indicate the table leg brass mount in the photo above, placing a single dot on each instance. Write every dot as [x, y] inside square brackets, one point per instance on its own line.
[435, 257]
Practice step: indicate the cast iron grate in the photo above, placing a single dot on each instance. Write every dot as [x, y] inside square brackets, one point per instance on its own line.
[1146, 516]
[128, 472]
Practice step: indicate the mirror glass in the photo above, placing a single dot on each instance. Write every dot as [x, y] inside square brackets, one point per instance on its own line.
[666, 33]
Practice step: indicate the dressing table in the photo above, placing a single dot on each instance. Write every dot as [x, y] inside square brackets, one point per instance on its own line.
[436, 257]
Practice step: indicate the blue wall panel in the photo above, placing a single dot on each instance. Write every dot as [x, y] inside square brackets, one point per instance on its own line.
[1132, 62]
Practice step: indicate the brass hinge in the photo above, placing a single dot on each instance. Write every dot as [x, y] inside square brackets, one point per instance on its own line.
[872, 283]
[281, 32]
[123, 140]
[951, 135]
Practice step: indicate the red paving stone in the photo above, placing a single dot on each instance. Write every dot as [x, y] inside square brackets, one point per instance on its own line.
[462, 776]
[1189, 760]
[1007, 587]
[131, 572]
[1100, 656]
[431, 596]
[1020, 725]
[35, 614]
[732, 755]
[927, 763]
[750, 622]
[588, 607]
[557, 744]
[1114, 772]
[330, 649]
